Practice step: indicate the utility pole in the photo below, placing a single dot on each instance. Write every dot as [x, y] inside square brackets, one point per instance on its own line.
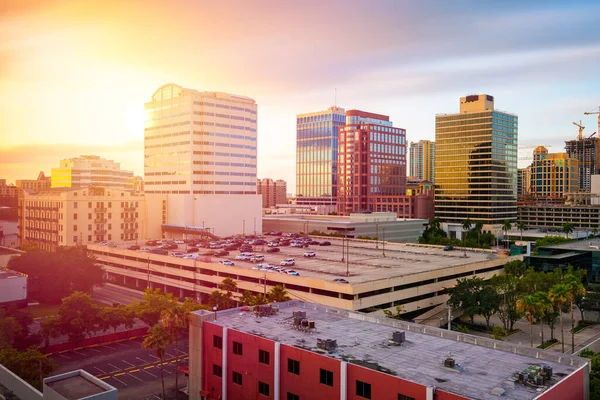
[449, 317]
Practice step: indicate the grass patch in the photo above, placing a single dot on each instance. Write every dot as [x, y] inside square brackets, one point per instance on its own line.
[43, 310]
[583, 324]
[547, 344]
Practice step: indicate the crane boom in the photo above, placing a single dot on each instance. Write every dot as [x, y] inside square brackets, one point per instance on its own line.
[594, 112]
[581, 128]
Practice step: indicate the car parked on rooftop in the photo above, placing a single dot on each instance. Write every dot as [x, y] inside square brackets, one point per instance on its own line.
[325, 243]
[340, 280]
[227, 262]
[309, 254]
[292, 272]
[288, 262]
[273, 250]
[133, 247]
[177, 254]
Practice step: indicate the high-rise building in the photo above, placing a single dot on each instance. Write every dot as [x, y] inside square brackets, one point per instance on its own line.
[84, 171]
[372, 165]
[585, 151]
[476, 163]
[34, 185]
[523, 182]
[422, 160]
[68, 216]
[553, 174]
[317, 155]
[200, 162]
[272, 192]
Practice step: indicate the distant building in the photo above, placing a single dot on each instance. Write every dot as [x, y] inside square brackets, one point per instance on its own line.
[523, 182]
[67, 217]
[35, 185]
[300, 350]
[9, 194]
[585, 151]
[422, 160]
[553, 174]
[200, 162]
[272, 192]
[317, 156]
[476, 163]
[85, 171]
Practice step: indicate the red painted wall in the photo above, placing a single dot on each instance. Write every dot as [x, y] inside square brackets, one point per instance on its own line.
[383, 386]
[307, 385]
[441, 395]
[570, 388]
[247, 364]
[211, 355]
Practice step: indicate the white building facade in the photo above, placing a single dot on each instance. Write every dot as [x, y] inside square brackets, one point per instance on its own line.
[200, 160]
[85, 171]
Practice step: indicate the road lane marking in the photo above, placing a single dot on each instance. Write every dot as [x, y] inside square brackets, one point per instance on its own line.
[170, 355]
[143, 360]
[62, 355]
[128, 363]
[154, 356]
[119, 374]
[149, 373]
[114, 366]
[104, 372]
[134, 370]
[133, 376]
[81, 354]
[121, 344]
[149, 366]
[96, 350]
[112, 348]
[118, 380]
[182, 352]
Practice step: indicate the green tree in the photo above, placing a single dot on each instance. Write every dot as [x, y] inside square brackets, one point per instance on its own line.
[498, 333]
[77, 269]
[278, 294]
[229, 286]
[576, 289]
[515, 267]
[506, 227]
[466, 226]
[488, 302]
[507, 288]
[559, 295]
[9, 331]
[158, 339]
[436, 223]
[521, 226]
[247, 298]
[115, 316]
[545, 306]
[50, 328]
[26, 364]
[595, 231]
[478, 228]
[567, 228]
[152, 305]
[397, 314]
[78, 316]
[465, 295]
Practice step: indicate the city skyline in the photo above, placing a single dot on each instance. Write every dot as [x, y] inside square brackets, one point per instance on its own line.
[74, 80]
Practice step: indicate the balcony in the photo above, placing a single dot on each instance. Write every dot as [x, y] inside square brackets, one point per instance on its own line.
[100, 220]
[129, 219]
[129, 209]
[129, 231]
[100, 209]
[100, 232]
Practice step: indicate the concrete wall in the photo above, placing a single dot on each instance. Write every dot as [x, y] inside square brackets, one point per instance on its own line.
[109, 393]
[17, 385]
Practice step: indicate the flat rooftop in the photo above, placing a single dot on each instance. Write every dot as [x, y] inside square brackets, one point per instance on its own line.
[75, 387]
[5, 274]
[365, 260]
[578, 245]
[366, 339]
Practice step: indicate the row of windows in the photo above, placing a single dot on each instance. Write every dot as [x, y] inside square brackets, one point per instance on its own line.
[224, 173]
[225, 135]
[210, 153]
[208, 104]
[224, 183]
[240, 146]
[329, 117]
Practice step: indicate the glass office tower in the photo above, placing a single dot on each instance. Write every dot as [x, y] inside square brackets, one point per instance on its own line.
[316, 156]
[476, 163]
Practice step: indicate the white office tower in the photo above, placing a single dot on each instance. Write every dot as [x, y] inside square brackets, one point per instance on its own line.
[200, 163]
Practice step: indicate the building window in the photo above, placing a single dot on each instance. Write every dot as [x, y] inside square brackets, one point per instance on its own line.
[109, 215]
[237, 348]
[292, 396]
[263, 388]
[75, 228]
[294, 366]
[217, 370]
[363, 389]
[74, 204]
[109, 204]
[89, 216]
[217, 342]
[263, 357]
[109, 226]
[326, 377]
[404, 397]
[89, 227]
[237, 378]
[75, 216]
[109, 236]
[89, 238]
[89, 205]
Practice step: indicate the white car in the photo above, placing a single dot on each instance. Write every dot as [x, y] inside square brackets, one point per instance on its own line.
[292, 272]
[178, 254]
[273, 244]
[257, 258]
[179, 242]
[243, 257]
[309, 254]
[102, 243]
[145, 250]
[288, 262]
[227, 262]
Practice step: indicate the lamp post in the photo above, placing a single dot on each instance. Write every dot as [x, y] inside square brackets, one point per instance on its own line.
[215, 310]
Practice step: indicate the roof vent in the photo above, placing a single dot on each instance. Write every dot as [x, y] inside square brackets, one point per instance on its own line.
[299, 313]
[327, 344]
[399, 337]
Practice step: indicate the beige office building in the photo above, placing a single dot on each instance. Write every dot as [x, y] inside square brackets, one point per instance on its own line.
[85, 171]
[34, 185]
[272, 192]
[67, 217]
[422, 160]
[476, 163]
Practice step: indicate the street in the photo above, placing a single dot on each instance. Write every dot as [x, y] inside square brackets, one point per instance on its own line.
[110, 293]
[133, 370]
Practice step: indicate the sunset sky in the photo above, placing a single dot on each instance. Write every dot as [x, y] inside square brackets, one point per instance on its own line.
[74, 74]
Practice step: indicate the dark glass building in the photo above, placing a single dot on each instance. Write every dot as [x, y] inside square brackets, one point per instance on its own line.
[316, 156]
[476, 163]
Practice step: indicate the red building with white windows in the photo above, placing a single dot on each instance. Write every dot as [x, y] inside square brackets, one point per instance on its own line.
[300, 351]
[372, 168]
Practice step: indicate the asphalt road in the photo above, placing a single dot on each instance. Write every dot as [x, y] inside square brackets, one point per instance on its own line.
[110, 293]
[133, 370]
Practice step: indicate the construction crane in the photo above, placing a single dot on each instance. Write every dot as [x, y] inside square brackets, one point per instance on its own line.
[581, 128]
[595, 112]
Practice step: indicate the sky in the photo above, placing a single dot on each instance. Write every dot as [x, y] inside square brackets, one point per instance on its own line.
[74, 75]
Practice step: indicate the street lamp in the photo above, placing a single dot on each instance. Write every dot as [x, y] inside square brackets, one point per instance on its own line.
[215, 310]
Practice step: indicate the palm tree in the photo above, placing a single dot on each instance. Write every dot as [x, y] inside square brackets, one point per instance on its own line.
[521, 226]
[529, 305]
[545, 306]
[466, 225]
[479, 227]
[506, 226]
[278, 294]
[567, 228]
[559, 295]
[158, 338]
[436, 223]
[595, 231]
[229, 286]
[575, 289]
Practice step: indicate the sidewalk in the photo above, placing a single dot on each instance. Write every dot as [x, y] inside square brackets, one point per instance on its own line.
[582, 337]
